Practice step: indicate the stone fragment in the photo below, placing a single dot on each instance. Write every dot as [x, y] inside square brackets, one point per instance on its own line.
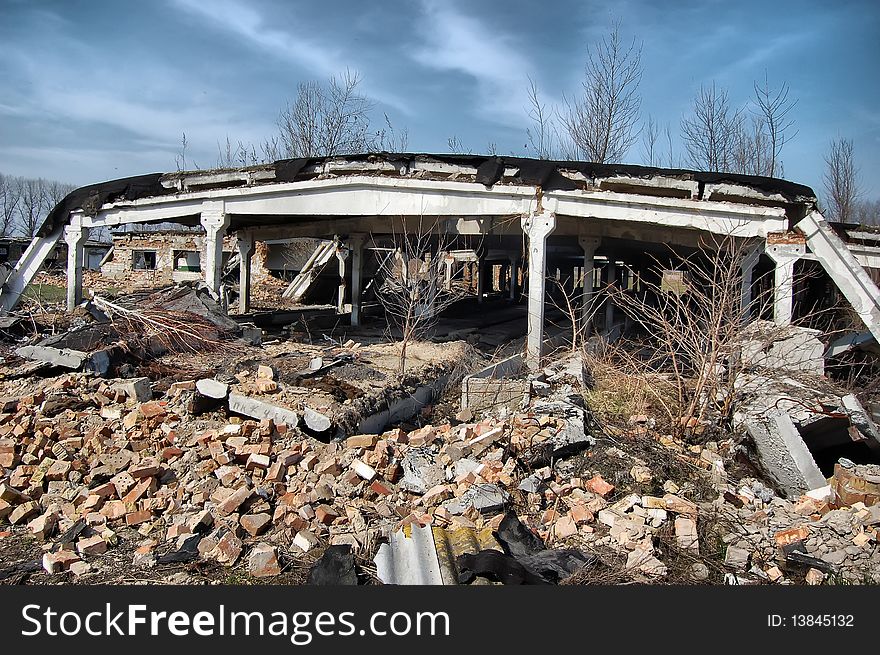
[263, 561]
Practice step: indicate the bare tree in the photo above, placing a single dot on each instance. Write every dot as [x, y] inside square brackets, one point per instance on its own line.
[691, 309]
[601, 120]
[32, 208]
[751, 152]
[867, 212]
[672, 161]
[412, 290]
[56, 192]
[389, 139]
[650, 136]
[774, 108]
[841, 180]
[542, 135]
[326, 119]
[711, 133]
[10, 197]
[456, 147]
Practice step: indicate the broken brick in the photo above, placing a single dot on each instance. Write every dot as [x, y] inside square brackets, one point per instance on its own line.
[599, 486]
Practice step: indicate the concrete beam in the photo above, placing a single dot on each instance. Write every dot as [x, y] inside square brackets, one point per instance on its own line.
[537, 227]
[844, 269]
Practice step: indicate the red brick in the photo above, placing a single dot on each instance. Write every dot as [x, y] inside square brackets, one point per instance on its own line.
[325, 514]
[136, 518]
[380, 488]
[599, 486]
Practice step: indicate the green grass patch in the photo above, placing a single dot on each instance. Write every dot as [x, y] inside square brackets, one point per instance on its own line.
[45, 293]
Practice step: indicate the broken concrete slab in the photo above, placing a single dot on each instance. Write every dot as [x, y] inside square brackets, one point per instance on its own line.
[860, 418]
[315, 421]
[211, 388]
[137, 389]
[420, 471]
[791, 348]
[570, 439]
[485, 498]
[259, 409]
[65, 357]
[783, 453]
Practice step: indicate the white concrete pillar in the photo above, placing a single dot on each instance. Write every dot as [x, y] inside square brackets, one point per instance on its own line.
[589, 245]
[538, 227]
[215, 221]
[245, 246]
[448, 261]
[356, 243]
[341, 256]
[611, 281]
[784, 255]
[75, 236]
[481, 280]
[513, 268]
[747, 269]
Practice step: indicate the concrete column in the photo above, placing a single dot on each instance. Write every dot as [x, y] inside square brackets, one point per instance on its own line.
[356, 243]
[514, 273]
[481, 280]
[215, 221]
[245, 246]
[784, 255]
[538, 227]
[747, 268]
[341, 256]
[75, 236]
[589, 245]
[448, 263]
[611, 280]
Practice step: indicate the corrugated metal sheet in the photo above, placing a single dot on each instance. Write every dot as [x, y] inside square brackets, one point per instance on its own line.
[426, 556]
[449, 544]
[409, 560]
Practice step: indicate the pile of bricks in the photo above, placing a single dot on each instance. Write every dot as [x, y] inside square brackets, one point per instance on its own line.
[88, 463]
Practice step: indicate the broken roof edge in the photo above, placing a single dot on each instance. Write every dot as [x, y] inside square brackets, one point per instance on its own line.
[487, 170]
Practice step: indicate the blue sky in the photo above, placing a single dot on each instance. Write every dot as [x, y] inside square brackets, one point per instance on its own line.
[94, 90]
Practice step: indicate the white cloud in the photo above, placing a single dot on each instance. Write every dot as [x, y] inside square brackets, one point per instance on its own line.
[317, 57]
[463, 44]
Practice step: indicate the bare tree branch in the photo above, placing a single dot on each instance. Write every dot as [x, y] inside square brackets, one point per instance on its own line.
[601, 121]
[542, 135]
[711, 133]
[841, 180]
[327, 119]
[774, 107]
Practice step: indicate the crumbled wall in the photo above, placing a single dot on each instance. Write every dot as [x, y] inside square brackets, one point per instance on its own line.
[119, 267]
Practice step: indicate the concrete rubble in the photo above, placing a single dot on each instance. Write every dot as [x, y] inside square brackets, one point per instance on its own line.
[131, 467]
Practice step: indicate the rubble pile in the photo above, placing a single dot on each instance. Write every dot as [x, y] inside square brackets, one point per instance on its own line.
[92, 464]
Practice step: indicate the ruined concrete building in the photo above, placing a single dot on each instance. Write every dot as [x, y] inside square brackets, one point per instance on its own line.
[518, 219]
[506, 237]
